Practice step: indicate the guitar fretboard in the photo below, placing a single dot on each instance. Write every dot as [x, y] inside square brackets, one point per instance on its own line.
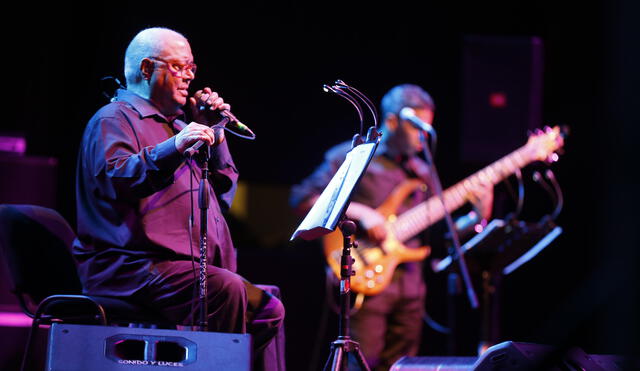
[422, 216]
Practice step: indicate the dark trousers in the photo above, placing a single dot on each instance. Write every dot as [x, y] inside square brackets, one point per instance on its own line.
[389, 325]
[234, 305]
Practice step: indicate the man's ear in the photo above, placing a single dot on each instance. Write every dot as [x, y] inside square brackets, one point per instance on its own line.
[146, 68]
[391, 122]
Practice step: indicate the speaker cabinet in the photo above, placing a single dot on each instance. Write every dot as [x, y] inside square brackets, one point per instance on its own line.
[501, 94]
[434, 364]
[519, 356]
[510, 355]
[105, 348]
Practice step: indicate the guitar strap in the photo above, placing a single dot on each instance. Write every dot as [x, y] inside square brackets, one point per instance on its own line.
[416, 168]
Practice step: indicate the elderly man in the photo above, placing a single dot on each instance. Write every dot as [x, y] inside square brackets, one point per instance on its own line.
[136, 224]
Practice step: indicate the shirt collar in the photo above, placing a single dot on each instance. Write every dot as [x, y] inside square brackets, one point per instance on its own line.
[143, 106]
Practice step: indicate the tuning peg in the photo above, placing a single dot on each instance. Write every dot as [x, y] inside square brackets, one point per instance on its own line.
[554, 157]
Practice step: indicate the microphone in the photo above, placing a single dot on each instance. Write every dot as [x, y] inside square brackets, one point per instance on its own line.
[228, 120]
[409, 114]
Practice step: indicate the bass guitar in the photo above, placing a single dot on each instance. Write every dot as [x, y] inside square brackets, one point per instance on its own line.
[374, 265]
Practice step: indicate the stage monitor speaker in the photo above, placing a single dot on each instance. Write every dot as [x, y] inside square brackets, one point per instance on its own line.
[109, 348]
[511, 355]
[527, 356]
[434, 364]
[520, 356]
[501, 95]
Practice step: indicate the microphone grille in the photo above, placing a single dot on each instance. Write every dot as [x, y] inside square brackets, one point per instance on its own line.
[407, 112]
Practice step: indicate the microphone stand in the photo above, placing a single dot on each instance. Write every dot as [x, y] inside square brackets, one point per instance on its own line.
[454, 235]
[203, 156]
[203, 205]
[344, 345]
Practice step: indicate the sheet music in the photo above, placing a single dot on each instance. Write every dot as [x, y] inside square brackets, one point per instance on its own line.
[325, 213]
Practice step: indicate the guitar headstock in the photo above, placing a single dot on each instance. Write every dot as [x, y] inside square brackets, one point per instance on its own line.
[543, 144]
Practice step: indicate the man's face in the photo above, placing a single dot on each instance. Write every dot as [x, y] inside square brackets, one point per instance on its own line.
[173, 71]
[407, 136]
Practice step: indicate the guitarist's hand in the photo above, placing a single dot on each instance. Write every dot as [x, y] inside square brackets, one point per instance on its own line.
[377, 233]
[370, 220]
[482, 199]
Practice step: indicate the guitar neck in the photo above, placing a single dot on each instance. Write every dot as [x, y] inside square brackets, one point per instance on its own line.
[422, 216]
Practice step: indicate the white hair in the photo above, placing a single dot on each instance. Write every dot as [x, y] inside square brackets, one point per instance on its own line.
[147, 43]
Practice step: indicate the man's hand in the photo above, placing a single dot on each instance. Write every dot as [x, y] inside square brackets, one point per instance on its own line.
[377, 234]
[482, 199]
[195, 132]
[206, 105]
[370, 219]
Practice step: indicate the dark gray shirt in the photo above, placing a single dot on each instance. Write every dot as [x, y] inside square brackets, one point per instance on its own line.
[136, 193]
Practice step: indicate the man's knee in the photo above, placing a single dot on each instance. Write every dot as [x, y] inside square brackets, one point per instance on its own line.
[274, 311]
[269, 307]
[228, 285]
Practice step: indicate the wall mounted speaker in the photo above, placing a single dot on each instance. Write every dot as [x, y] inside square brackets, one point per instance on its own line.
[502, 82]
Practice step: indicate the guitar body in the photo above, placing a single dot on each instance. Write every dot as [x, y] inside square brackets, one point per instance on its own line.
[374, 265]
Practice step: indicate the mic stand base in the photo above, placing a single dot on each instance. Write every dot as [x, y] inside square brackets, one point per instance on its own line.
[339, 358]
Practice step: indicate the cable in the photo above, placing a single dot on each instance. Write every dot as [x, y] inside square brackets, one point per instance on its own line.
[538, 178]
[520, 196]
[116, 84]
[560, 198]
[435, 325]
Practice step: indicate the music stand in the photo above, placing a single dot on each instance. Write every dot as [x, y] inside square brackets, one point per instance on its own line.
[327, 213]
[500, 249]
[507, 245]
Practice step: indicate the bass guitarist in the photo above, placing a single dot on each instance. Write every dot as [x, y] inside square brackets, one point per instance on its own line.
[388, 325]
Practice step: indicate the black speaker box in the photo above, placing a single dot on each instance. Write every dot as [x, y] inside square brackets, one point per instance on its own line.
[105, 348]
[434, 364]
[510, 355]
[501, 94]
[520, 356]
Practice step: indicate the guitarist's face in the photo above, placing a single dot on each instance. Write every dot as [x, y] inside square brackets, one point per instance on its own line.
[405, 138]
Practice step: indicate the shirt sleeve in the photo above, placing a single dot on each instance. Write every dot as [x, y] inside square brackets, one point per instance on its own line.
[224, 174]
[114, 155]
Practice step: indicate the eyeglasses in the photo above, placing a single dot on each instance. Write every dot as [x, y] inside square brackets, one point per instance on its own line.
[178, 69]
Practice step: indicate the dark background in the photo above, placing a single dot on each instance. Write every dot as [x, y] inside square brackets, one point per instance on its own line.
[269, 60]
